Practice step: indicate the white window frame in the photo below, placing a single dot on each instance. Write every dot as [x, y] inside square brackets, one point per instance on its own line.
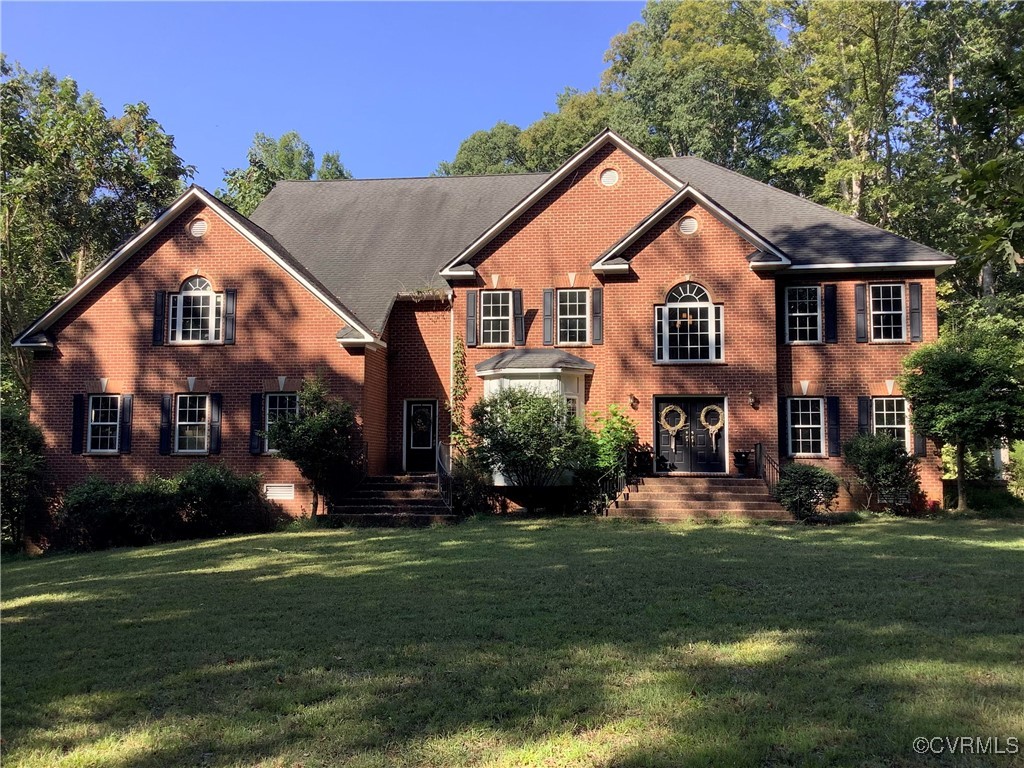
[817, 293]
[572, 403]
[508, 319]
[266, 415]
[91, 424]
[178, 424]
[558, 317]
[903, 313]
[177, 313]
[876, 427]
[822, 427]
[716, 335]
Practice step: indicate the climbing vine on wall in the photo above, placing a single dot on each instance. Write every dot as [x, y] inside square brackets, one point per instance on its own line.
[460, 391]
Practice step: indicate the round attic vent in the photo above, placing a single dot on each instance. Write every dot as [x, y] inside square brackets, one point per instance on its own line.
[688, 225]
[609, 177]
[197, 228]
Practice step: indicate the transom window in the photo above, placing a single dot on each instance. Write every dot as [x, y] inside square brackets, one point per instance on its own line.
[496, 317]
[191, 430]
[688, 327]
[888, 319]
[196, 313]
[279, 404]
[104, 423]
[806, 426]
[803, 314]
[573, 316]
[890, 417]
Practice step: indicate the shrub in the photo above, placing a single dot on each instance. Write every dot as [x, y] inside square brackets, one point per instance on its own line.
[1015, 470]
[214, 501]
[806, 491]
[22, 478]
[472, 486]
[616, 434]
[888, 474]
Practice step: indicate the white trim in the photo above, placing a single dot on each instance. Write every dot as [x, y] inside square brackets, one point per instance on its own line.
[613, 269]
[903, 313]
[511, 318]
[785, 301]
[550, 183]
[147, 233]
[586, 316]
[789, 428]
[266, 416]
[89, 424]
[176, 315]
[206, 434]
[905, 265]
[533, 371]
[908, 439]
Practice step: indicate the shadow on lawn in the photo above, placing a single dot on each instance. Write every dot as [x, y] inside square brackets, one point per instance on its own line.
[721, 645]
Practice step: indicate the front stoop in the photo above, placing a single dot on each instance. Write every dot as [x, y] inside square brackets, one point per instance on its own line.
[392, 501]
[668, 499]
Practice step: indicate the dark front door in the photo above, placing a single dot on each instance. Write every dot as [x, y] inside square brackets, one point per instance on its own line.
[420, 435]
[690, 434]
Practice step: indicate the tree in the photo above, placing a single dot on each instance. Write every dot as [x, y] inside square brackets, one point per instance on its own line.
[495, 151]
[557, 136]
[883, 467]
[531, 439]
[22, 477]
[75, 183]
[323, 440]
[967, 388]
[271, 160]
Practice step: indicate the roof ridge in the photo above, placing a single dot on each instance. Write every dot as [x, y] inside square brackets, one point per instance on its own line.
[417, 178]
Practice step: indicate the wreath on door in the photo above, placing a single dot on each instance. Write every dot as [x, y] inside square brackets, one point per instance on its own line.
[713, 429]
[670, 428]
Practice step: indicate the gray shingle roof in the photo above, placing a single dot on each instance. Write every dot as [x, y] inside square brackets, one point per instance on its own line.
[806, 232]
[369, 240]
[533, 358]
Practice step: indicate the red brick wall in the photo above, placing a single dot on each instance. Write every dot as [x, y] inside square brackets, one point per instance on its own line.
[419, 366]
[282, 330]
[375, 410]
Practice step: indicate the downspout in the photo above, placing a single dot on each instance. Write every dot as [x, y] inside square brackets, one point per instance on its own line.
[451, 361]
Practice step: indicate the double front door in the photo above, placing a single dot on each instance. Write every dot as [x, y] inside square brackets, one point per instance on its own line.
[690, 434]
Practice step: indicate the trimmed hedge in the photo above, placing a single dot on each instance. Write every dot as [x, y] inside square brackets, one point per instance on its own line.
[806, 491]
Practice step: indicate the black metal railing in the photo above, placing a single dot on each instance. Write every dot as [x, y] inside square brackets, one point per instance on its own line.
[611, 484]
[444, 473]
[766, 467]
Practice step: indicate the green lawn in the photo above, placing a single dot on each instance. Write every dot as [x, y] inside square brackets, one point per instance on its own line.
[575, 642]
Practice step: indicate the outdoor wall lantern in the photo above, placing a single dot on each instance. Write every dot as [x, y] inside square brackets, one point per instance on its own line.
[751, 399]
[634, 402]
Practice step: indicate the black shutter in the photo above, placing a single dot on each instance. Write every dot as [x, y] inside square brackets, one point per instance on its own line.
[230, 298]
[831, 319]
[215, 409]
[165, 424]
[783, 428]
[77, 423]
[597, 310]
[920, 444]
[860, 295]
[864, 415]
[517, 316]
[549, 316]
[255, 423]
[125, 443]
[159, 314]
[832, 406]
[471, 299]
[780, 314]
[915, 311]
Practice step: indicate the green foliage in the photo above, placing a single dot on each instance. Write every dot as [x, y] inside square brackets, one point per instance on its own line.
[22, 477]
[1015, 470]
[531, 439]
[460, 391]
[495, 151]
[472, 486]
[214, 501]
[806, 491]
[271, 160]
[324, 441]
[616, 434]
[888, 474]
[977, 464]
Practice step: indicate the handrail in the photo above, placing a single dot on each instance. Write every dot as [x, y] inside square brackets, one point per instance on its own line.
[766, 468]
[443, 466]
[611, 484]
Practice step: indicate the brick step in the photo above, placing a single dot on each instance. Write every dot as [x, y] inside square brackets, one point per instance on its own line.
[696, 514]
[700, 482]
[426, 479]
[385, 508]
[402, 493]
[370, 485]
[753, 494]
[688, 503]
[387, 520]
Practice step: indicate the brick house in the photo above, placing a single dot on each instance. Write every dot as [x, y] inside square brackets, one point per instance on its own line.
[719, 312]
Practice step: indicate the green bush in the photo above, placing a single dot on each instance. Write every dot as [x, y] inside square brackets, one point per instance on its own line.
[22, 478]
[977, 463]
[888, 474]
[1015, 470]
[203, 501]
[472, 486]
[615, 436]
[806, 491]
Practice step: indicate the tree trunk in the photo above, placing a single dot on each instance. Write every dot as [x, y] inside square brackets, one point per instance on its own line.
[316, 502]
[961, 483]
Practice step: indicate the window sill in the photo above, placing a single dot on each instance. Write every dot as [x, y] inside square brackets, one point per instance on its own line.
[496, 346]
[103, 453]
[196, 344]
[804, 343]
[576, 344]
[690, 362]
[190, 453]
[808, 456]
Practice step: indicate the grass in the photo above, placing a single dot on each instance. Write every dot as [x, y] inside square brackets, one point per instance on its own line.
[555, 643]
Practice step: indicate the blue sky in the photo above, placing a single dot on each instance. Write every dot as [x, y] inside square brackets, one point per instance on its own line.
[394, 87]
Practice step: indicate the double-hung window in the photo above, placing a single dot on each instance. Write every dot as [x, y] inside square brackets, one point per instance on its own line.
[688, 326]
[278, 404]
[803, 314]
[196, 313]
[890, 417]
[573, 316]
[806, 426]
[496, 317]
[104, 423]
[888, 312]
[192, 424]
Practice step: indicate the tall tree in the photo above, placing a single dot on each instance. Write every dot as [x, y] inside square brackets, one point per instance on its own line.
[75, 182]
[495, 151]
[271, 160]
[553, 139]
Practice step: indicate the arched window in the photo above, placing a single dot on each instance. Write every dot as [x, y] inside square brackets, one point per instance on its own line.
[196, 313]
[688, 327]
